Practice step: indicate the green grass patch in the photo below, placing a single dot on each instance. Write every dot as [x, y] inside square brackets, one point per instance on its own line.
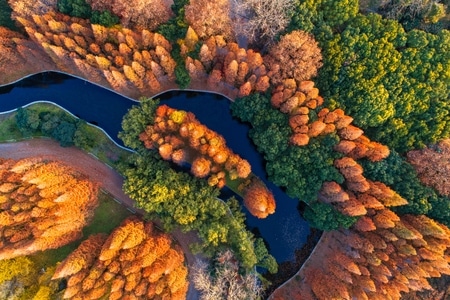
[107, 216]
[45, 107]
[104, 148]
[234, 184]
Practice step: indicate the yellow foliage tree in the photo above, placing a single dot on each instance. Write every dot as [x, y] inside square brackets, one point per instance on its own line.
[45, 204]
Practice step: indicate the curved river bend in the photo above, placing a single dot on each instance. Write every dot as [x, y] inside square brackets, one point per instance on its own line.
[285, 231]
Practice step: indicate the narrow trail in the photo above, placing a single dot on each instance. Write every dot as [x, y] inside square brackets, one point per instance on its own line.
[109, 180]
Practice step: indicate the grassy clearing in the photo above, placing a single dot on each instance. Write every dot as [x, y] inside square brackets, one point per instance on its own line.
[234, 184]
[108, 215]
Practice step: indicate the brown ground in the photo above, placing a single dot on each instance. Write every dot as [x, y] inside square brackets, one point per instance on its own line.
[108, 178]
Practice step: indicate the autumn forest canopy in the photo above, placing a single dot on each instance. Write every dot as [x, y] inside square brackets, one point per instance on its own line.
[347, 103]
[44, 205]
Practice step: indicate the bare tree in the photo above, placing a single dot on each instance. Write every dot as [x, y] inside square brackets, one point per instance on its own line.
[222, 280]
[261, 20]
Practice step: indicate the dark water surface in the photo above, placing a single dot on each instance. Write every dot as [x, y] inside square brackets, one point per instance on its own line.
[285, 231]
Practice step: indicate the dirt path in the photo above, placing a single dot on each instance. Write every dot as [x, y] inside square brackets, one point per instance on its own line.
[108, 178]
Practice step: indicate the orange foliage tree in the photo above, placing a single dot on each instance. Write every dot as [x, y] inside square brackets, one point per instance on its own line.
[81, 258]
[180, 137]
[111, 56]
[44, 205]
[135, 261]
[232, 70]
[258, 199]
[381, 254]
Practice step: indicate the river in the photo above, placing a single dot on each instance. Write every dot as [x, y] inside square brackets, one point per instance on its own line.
[285, 231]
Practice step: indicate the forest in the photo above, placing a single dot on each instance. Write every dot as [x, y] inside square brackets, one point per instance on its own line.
[348, 105]
[45, 205]
[191, 202]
